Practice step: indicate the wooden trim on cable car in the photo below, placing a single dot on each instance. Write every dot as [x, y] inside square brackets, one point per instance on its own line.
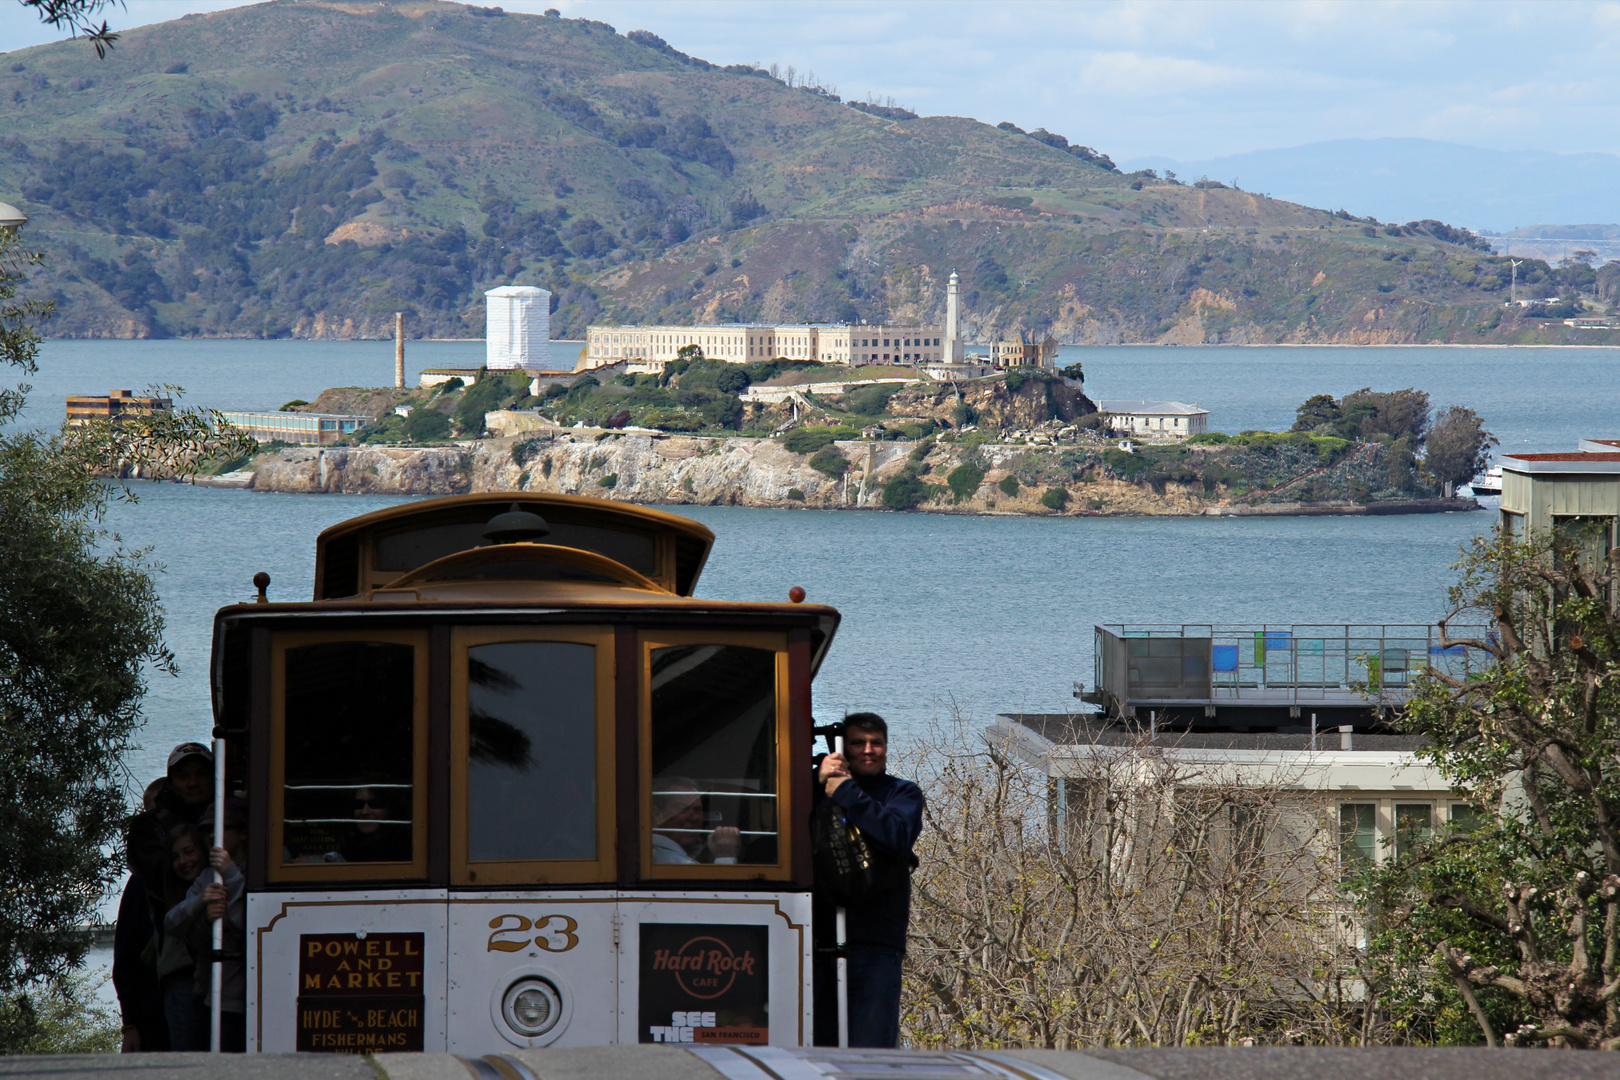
[433, 573]
[278, 871]
[786, 820]
[601, 869]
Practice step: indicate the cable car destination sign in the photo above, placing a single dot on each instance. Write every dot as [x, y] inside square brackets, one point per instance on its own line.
[359, 992]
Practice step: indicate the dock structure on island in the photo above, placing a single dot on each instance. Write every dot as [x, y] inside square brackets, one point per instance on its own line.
[1265, 676]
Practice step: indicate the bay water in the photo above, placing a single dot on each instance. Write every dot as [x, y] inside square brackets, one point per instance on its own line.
[976, 614]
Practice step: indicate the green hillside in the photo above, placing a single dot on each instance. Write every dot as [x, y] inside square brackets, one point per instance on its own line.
[308, 168]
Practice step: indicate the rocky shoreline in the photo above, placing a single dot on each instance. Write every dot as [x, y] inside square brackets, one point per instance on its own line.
[675, 470]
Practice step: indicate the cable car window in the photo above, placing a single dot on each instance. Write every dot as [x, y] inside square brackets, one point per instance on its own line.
[714, 722]
[403, 551]
[531, 756]
[349, 753]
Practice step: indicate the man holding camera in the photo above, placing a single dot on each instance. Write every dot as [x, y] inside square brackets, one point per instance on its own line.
[888, 812]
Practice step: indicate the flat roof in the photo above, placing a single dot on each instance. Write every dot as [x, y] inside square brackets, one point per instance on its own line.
[1171, 408]
[1608, 463]
[306, 415]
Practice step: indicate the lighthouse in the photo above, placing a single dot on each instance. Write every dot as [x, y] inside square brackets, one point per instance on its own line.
[952, 353]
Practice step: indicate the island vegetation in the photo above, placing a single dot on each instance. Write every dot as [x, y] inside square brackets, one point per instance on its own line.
[1021, 441]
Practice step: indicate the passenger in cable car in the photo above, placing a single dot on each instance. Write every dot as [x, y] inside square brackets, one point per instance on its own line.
[377, 835]
[679, 832]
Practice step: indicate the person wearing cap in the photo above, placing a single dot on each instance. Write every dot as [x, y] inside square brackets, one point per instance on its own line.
[186, 793]
[206, 902]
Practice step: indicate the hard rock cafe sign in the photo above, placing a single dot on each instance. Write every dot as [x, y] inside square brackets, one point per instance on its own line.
[704, 984]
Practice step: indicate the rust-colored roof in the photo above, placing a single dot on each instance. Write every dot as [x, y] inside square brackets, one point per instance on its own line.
[1565, 457]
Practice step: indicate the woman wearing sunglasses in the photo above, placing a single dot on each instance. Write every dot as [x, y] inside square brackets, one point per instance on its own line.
[380, 833]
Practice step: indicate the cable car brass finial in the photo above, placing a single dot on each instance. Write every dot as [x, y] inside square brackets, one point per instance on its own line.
[796, 594]
[261, 581]
[514, 526]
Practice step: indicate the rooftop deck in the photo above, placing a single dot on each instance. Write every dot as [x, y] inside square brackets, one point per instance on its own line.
[1261, 673]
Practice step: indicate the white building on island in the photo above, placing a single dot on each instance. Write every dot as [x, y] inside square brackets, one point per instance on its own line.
[517, 328]
[1156, 419]
[649, 348]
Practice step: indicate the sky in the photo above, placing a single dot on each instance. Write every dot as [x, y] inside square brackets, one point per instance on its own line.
[1184, 80]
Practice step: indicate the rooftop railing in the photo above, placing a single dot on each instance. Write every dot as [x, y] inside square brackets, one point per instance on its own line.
[1273, 664]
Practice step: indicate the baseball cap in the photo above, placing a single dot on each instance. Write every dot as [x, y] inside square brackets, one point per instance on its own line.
[190, 749]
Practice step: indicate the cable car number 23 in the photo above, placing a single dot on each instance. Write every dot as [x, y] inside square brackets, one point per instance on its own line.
[556, 933]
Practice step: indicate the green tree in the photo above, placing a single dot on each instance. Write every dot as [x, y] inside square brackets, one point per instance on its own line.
[1009, 485]
[1055, 498]
[1458, 447]
[905, 491]
[1318, 411]
[828, 460]
[1512, 927]
[80, 629]
[964, 480]
[425, 424]
[807, 440]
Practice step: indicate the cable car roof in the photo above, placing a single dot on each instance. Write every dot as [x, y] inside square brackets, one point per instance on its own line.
[374, 550]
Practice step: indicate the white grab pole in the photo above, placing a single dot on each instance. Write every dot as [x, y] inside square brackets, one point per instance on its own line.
[843, 961]
[217, 986]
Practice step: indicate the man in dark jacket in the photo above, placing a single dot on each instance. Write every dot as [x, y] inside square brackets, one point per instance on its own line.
[188, 792]
[888, 811]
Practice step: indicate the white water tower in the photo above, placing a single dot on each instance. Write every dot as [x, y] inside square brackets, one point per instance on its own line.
[517, 328]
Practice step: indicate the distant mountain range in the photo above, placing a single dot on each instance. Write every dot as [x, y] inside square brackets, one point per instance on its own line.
[1410, 179]
[309, 168]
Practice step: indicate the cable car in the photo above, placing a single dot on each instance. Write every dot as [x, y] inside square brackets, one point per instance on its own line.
[509, 783]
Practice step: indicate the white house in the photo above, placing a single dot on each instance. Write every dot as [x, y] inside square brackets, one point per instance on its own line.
[1156, 419]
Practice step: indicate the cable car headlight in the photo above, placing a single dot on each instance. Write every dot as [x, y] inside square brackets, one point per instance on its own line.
[531, 1007]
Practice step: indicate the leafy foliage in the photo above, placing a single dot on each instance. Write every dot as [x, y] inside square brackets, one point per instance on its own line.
[828, 460]
[426, 424]
[59, 1018]
[808, 439]
[906, 490]
[1516, 923]
[1055, 498]
[965, 479]
[82, 627]
[1458, 446]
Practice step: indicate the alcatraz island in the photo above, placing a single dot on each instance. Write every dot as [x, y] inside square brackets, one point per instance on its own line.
[840, 416]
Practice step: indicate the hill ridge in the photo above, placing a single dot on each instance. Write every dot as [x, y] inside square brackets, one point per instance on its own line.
[308, 167]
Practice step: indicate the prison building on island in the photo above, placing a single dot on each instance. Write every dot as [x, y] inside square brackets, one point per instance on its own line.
[649, 348]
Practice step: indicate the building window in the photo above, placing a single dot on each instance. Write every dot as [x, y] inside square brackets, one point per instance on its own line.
[1414, 824]
[1466, 818]
[1358, 837]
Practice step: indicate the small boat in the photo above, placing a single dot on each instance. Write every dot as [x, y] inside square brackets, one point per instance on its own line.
[1487, 483]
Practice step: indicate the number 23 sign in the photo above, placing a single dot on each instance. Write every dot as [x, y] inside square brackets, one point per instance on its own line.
[556, 933]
